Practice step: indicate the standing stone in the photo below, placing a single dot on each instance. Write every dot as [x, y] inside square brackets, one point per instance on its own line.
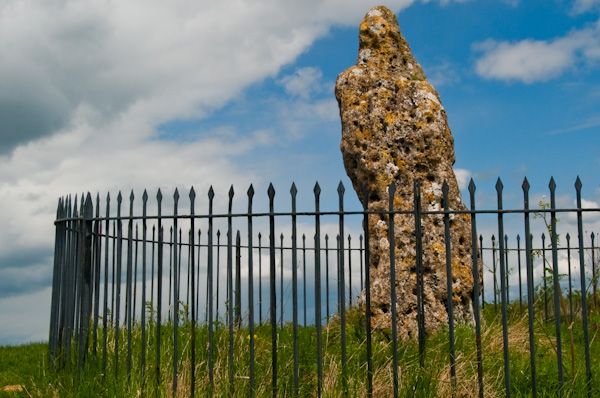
[394, 129]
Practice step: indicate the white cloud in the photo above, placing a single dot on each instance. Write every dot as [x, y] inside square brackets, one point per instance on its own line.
[589, 123]
[582, 6]
[303, 82]
[443, 74]
[462, 177]
[84, 87]
[512, 3]
[531, 61]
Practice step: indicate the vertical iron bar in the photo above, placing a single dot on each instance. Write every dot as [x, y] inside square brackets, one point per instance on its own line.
[72, 286]
[178, 247]
[54, 307]
[197, 284]
[159, 271]
[80, 288]
[554, 243]
[544, 279]
[349, 271]
[365, 203]
[218, 266]
[594, 278]
[135, 272]
[238, 282]
[118, 287]
[503, 297]
[105, 309]
[260, 305]
[449, 289]
[337, 256]
[327, 274]
[189, 281]
[294, 192]
[68, 295]
[86, 273]
[304, 277]
[317, 192]
[97, 256]
[482, 272]
[360, 256]
[175, 294]
[209, 276]
[273, 298]
[251, 293]
[281, 281]
[519, 266]
[584, 308]
[192, 196]
[341, 191]
[230, 291]
[507, 269]
[476, 279]
[75, 275]
[170, 269]
[113, 284]
[152, 267]
[128, 292]
[494, 272]
[530, 291]
[570, 279]
[143, 303]
[64, 281]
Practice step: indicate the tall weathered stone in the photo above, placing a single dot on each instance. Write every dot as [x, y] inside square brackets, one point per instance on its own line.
[394, 129]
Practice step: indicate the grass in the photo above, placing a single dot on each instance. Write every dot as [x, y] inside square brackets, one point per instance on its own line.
[27, 365]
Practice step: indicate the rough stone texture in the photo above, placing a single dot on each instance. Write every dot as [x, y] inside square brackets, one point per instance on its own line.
[394, 129]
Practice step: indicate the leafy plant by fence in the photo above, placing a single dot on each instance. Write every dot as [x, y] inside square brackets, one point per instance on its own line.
[224, 313]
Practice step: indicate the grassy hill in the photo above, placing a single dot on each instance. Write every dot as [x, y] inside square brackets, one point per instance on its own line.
[26, 367]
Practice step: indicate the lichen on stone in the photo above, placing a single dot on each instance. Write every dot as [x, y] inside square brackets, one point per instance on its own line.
[395, 130]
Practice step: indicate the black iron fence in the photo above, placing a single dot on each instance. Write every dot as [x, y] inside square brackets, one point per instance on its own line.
[203, 301]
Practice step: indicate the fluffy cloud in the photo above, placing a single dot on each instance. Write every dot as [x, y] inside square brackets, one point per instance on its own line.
[531, 61]
[462, 177]
[582, 6]
[442, 74]
[303, 82]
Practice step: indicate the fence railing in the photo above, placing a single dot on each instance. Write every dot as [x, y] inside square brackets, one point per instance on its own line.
[211, 304]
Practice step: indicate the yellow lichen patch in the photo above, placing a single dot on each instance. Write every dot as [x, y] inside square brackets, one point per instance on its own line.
[364, 25]
[399, 202]
[438, 248]
[362, 135]
[384, 180]
[400, 84]
[400, 163]
[428, 197]
[461, 272]
[389, 118]
[419, 125]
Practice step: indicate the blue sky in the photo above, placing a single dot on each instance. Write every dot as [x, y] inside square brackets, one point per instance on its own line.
[100, 96]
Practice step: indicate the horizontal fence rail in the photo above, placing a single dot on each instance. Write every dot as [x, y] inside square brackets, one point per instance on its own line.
[279, 302]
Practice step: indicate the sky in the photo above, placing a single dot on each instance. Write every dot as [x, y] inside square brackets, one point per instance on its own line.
[103, 96]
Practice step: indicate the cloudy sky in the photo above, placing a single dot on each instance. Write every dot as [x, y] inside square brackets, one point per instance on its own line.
[99, 95]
